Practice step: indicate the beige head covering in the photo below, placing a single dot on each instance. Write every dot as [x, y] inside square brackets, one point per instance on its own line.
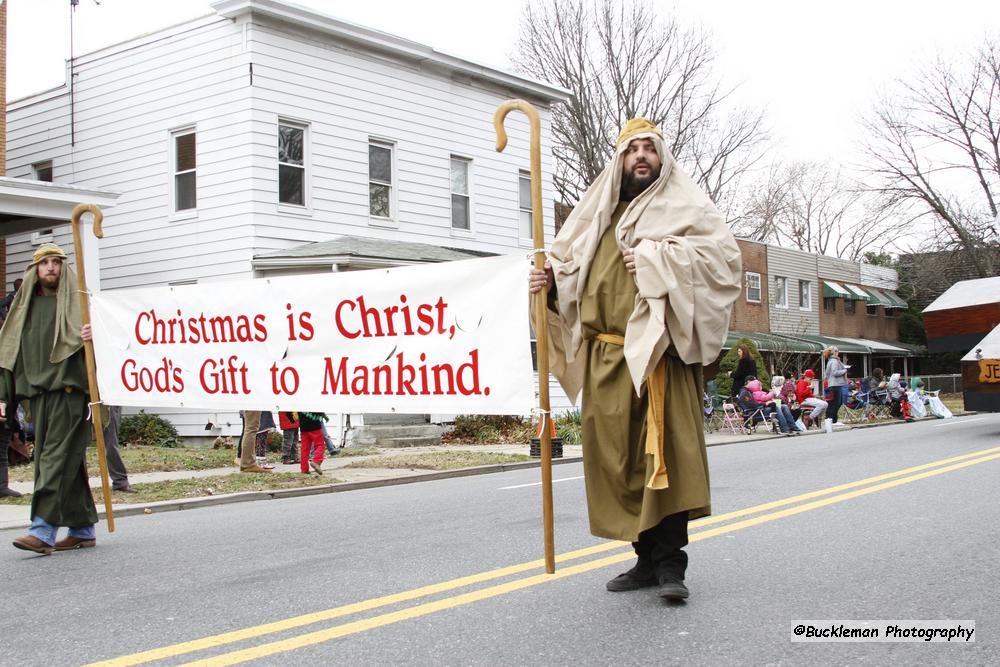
[67, 339]
[688, 267]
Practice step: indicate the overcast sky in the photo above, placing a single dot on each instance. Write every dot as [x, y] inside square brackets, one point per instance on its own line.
[814, 66]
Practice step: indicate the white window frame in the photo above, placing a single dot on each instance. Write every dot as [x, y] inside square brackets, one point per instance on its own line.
[781, 294]
[808, 293]
[529, 240]
[186, 213]
[760, 294]
[305, 208]
[458, 231]
[42, 235]
[376, 220]
[43, 164]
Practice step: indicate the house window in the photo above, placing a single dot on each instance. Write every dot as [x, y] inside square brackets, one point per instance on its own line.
[753, 287]
[829, 304]
[460, 204]
[780, 292]
[850, 306]
[805, 295]
[380, 178]
[185, 164]
[42, 171]
[873, 310]
[291, 164]
[890, 313]
[525, 229]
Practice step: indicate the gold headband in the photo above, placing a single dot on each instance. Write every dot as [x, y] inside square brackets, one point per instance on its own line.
[47, 250]
[637, 126]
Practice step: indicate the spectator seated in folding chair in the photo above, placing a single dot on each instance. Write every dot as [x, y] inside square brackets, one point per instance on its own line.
[776, 411]
[899, 403]
[751, 412]
[805, 396]
[859, 405]
[931, 399]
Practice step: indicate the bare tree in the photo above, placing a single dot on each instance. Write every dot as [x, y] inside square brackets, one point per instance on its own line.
[935, 150]
[621, 61]
[816, 208]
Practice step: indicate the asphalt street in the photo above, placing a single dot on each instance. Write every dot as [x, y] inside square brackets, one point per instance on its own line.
[896, 522]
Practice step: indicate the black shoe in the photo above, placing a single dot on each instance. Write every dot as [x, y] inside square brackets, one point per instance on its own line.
[640, 576]
[672, 588]
[124, 489]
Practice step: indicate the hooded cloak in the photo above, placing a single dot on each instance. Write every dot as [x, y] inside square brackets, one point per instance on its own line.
[67, 339]
[688, 268]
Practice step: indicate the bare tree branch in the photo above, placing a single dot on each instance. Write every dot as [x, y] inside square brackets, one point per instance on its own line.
[621, 61]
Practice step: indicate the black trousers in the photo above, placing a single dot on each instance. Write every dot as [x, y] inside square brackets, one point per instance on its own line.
[833, 405]
[662, 546]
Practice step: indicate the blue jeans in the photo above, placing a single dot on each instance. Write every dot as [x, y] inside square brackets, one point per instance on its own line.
[785, 419]
[46, 532]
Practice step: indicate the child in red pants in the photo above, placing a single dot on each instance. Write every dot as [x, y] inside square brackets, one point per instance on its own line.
[311, 434]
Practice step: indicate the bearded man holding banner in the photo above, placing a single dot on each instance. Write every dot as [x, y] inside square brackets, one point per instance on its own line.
[42, 360]
[640, 281]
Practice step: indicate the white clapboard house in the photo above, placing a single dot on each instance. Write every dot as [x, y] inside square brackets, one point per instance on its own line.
[268, 139]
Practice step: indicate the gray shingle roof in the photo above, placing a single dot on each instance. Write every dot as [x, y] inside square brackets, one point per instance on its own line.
[357, 247]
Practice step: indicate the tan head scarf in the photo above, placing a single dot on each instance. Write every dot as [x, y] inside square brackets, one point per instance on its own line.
[67, 339]
[688, 267]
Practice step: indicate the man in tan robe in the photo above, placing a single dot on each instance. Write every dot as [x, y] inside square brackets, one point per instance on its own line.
[640, 285]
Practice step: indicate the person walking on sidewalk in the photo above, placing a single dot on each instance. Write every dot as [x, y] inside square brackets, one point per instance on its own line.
[41, 354]
[312, 443]
[248, 442]
[5, 437]
[113, 455]
[640, 283]
[289, 438]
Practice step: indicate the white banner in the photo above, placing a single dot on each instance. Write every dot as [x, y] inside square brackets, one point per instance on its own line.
[437, 338]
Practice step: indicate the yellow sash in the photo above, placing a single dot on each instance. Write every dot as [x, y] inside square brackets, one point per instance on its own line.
[655, 387]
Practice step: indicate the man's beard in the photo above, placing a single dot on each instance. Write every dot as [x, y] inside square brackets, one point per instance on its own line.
[633, 186]
[49, 282]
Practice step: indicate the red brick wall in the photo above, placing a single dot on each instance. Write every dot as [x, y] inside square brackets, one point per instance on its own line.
[858, 325]
[748, 316]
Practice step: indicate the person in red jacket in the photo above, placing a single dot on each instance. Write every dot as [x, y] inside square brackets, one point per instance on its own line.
[804, 395]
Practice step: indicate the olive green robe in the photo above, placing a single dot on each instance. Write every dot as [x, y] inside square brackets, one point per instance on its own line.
[616, 466]
[57, 404]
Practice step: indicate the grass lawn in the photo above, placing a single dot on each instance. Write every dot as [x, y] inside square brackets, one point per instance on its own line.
[439, 460]
[154, 459]
[201, 487]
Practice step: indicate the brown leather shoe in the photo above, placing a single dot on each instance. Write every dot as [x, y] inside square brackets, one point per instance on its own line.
[254, 468]
[70, 543]
[32, 543]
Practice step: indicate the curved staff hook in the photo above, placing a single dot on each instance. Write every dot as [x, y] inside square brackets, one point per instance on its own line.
[541, 310]
[88, 347]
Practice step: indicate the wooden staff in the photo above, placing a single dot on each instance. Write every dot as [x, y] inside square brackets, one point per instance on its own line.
[88, 347]
[541, 309]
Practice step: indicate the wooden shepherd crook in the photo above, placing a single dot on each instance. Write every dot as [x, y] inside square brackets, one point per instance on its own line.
[88, 347]
[541, 309]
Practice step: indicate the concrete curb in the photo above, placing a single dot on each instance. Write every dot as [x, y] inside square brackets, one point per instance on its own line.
[251, 496]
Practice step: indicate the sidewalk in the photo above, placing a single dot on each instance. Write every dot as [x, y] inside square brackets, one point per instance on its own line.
[18, 516]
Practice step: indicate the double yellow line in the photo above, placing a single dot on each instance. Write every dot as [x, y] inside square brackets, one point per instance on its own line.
[777, 509]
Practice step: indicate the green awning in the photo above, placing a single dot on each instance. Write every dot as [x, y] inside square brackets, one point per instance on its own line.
[877, 298]
[835, 290]
[859, 294]
[824, 342]
[894, 298]
[769, 342]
